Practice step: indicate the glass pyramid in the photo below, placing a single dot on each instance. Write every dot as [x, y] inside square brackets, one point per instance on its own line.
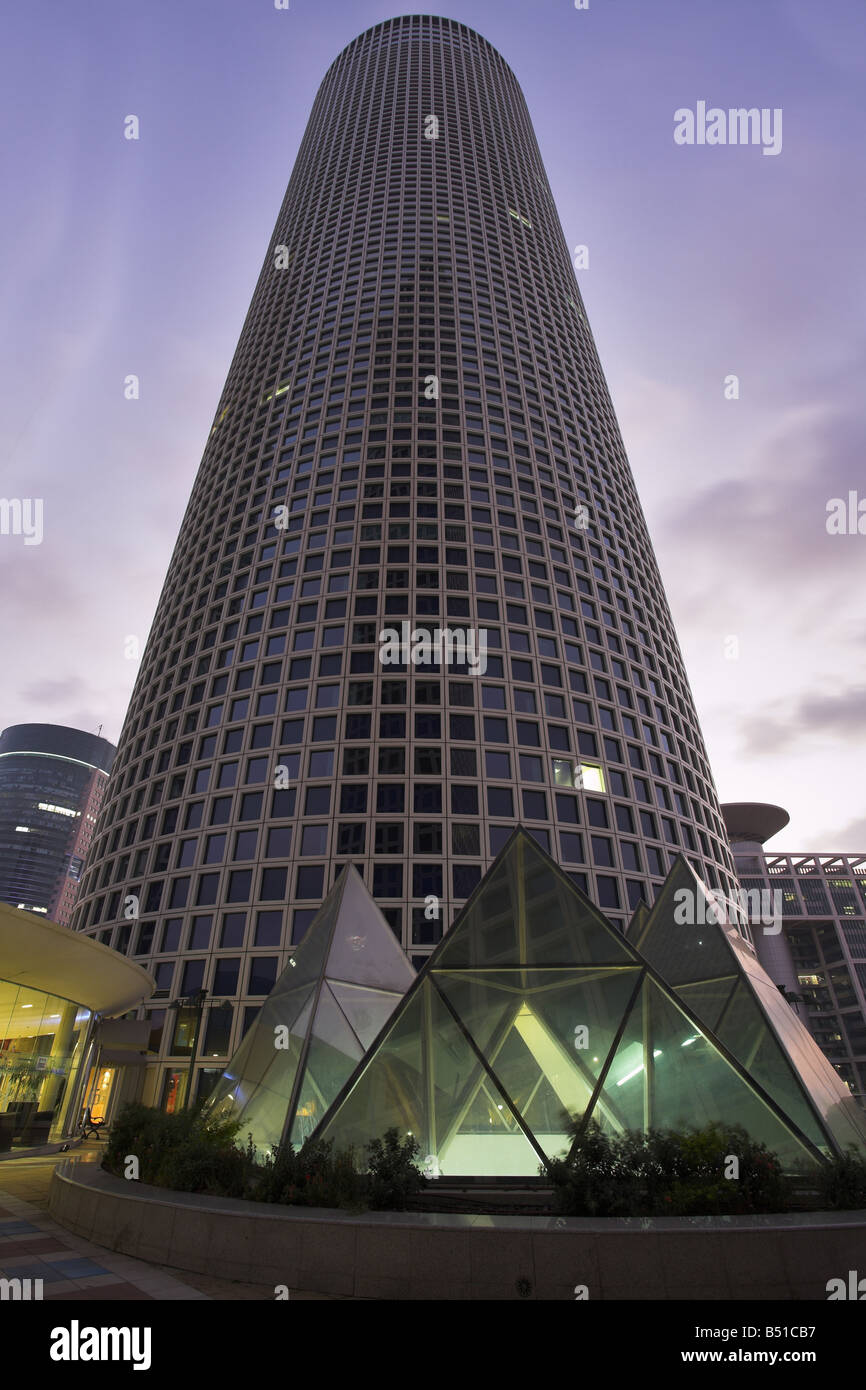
[534, 1005]
[337, 992]
[715, 971]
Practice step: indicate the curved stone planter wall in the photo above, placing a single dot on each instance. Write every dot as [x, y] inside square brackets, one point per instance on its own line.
[395, 1255]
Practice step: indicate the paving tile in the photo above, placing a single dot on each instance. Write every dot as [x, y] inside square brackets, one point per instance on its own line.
[96, 1281]
[113, 1293]
[75, 1268]
[32, 1269]
[23, 1247]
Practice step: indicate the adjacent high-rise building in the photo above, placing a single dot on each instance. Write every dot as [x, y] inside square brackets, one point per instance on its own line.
[414, 601]
[52, 783]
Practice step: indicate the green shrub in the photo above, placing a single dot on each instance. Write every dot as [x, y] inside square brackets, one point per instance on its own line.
[316, 1176]
[666, 1172]
[180, 1151]
[842, 1182]
[312, 1176]
[392, 1175]
[190, 1154]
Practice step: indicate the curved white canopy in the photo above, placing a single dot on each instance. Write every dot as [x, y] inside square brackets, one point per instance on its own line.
[38, 954]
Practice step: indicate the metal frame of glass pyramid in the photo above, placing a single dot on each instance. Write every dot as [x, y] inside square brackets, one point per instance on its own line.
[340, 986]
[711, 967]
[533, 1008]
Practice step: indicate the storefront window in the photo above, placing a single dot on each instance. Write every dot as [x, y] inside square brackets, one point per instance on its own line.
[42, 1039]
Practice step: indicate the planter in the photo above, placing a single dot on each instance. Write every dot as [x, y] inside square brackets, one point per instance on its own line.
[402, 1255]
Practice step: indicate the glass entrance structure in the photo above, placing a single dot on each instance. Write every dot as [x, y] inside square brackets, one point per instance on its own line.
[535, 1009]
[717, 973]
[339, 988]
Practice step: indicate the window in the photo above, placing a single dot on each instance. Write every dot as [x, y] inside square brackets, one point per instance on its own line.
[310, 881]
[500, 801]
[314, 840]
[240, 883]
[233, 928]
[390, 797]
[279, 842]
[273, 884]
[225, 979]
[269, 926]
[245, 844]
[388, 881]
[351, 838]
[262, 975]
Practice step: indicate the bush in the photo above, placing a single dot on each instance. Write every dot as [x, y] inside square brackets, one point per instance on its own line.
[180, 1151]
[392, 1175]
[190, 1154]
[316, 1176]
[666, 1172]
[842, 1182]
[312, 1176]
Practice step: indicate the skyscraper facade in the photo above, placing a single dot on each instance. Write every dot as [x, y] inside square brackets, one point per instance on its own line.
[414, 601]
[52, 783]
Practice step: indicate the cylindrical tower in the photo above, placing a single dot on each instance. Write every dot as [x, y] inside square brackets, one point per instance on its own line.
[52, 783]
[415, 435]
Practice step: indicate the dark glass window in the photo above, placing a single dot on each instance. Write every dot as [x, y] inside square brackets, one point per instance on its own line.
[233, 928]
[240, 883]
[310, 881]
[269, 926]
[500, 801]
[225, 978]
[262, 974]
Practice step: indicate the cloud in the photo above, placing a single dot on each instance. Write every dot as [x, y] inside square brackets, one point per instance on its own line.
[844, 713]
[847, 839]
[841, 716]
[61, 690]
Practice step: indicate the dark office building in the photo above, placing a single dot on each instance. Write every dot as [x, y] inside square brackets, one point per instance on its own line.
[414, 601]
[52, 784]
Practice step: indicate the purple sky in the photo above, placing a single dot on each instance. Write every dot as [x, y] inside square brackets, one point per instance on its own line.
[140, 257]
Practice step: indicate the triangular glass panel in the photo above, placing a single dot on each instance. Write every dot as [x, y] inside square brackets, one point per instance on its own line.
[367, 1010]
[526, 911]
[743, 1029]
[304, 1044]
[566, 1018]
[668, 1074]
[678, 937]
[324, 1070]
[708, 998]
[364, 949]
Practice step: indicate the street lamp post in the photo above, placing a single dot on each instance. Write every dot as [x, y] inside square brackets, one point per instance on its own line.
[192, 1001]
[195, 1001]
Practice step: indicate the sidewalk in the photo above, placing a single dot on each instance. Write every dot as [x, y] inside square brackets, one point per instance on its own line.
[32, 1246]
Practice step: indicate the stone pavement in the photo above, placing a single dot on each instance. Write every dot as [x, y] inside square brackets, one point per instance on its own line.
[33, 1246]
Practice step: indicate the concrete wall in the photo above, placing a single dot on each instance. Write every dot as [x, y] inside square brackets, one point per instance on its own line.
[394, 1255]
